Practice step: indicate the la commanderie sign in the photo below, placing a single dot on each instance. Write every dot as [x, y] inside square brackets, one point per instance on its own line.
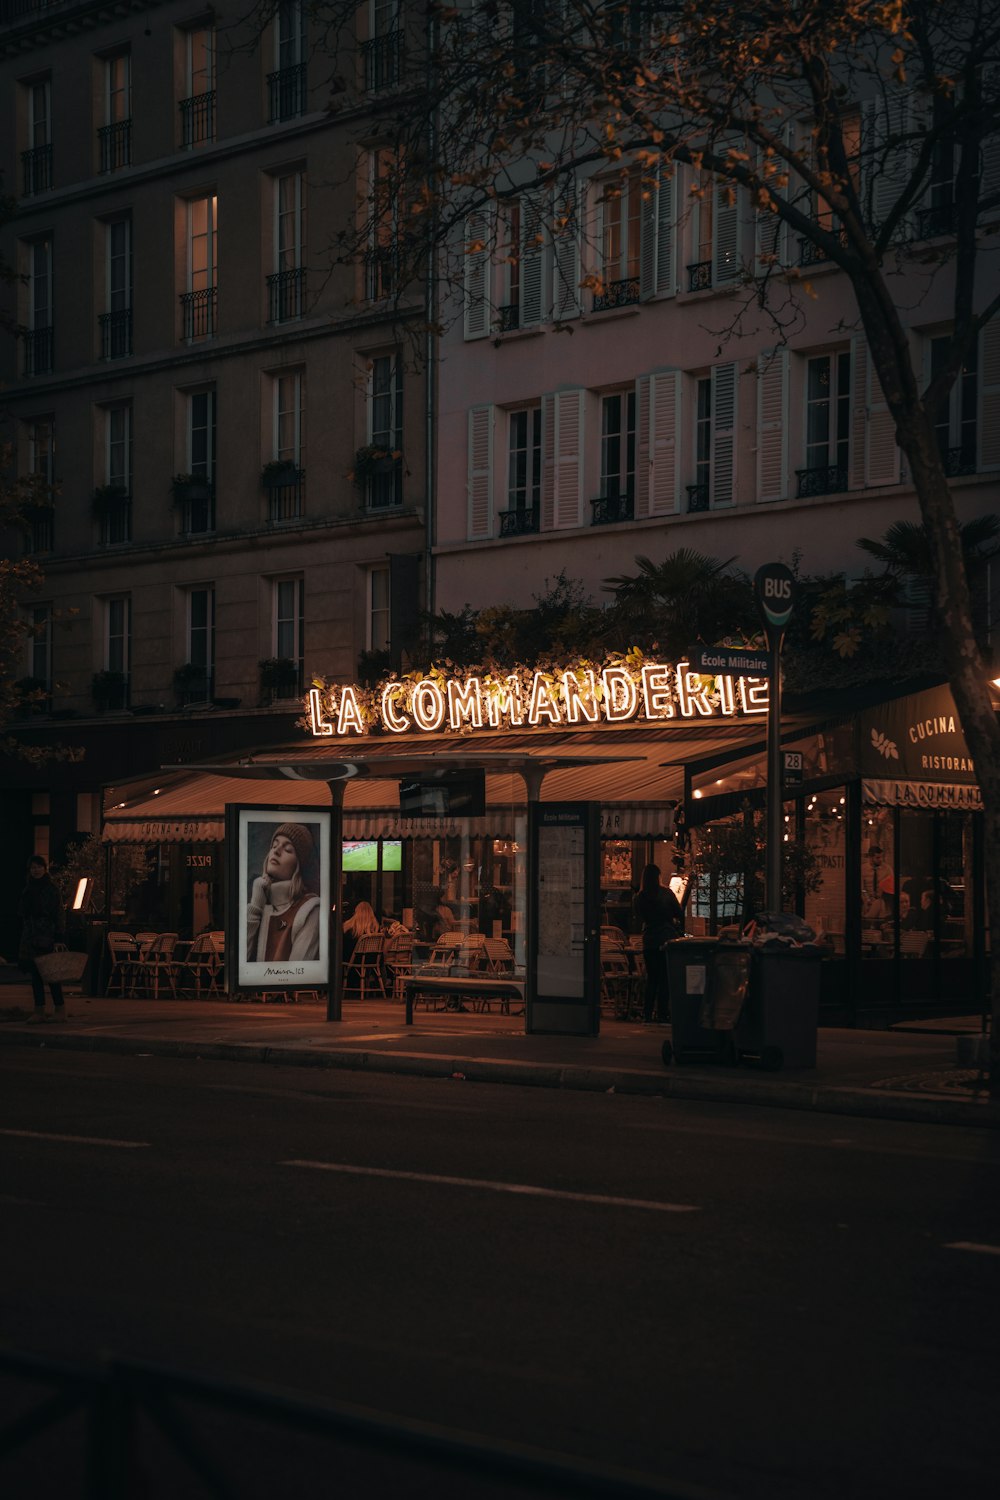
[652, 693]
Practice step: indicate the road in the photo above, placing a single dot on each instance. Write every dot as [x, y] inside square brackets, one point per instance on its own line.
[761, 1303]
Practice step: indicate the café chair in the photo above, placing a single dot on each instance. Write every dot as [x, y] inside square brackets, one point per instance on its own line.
[397, 959]
[363, 971]
[124, 951]
[158, 966]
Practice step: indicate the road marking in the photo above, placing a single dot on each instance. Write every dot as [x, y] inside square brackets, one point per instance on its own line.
[977, 1249]
[523, 1188]
[78, 1140]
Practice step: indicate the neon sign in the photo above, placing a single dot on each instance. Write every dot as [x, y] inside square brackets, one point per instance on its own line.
[650, 693]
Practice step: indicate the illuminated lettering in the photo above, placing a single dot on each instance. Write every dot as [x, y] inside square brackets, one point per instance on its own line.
[464, 702]
[656, 695]
[755, 694]
[504, 702]
[692, 698]
[579, 705]
[350, 713]
[727, 694]
[392, 717]
[542, 703]
[427, 705]
[621, 696]
[318, 721]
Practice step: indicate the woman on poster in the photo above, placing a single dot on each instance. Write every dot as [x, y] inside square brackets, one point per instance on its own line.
[284, 908]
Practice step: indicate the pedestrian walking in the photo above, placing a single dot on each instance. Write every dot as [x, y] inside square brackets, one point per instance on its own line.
[659, 911]
[40, 909]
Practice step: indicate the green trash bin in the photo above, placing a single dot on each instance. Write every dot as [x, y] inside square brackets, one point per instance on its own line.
[780, 1020]
[708, 986]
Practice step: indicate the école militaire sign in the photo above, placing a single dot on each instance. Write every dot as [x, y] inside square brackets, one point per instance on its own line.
[650, 692]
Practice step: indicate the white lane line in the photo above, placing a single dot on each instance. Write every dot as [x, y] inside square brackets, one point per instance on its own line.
[977, 1249]
[78, 1140]
[523, 1188]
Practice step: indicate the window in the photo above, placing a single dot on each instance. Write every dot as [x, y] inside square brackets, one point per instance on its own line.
[524, 472]
[850, 128]
[937, 216]
[383, 52]
[699, 493]
[196, 683]
[706, 406]
[41, 464]
[113, 502]
[42, 449]
[40, 645]
[286, 287]
[287, 84]
[38, 351]
[36, 162]
[116, 322]
[377, 635]
[700, 269]
[618, 446]
[828, 425]
[198, 497]
[199, 302]
[114, 690]
[385, 432]
[382, 260]
[620, 217]
[197, 109]
[115, 135]
[285, 475]
[956, 424]
[289, 604]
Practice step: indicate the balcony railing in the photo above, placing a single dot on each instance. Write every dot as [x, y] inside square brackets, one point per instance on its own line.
[811, 254]
[287, 92]
[36, 170]
[508, 317]
[700, 276]
[383, 61]
[960, 460]
[116, 333]
[116, 145]
[278, 684]
[699, 497]
[520, 522]
[383, 491]
[199, 310]
[821, 479]
[286, 295]
[608, 509]
[193, 686]
[37, 351]
[617, 294]
[40, 520]
[197, 507]
[381, 274]
[936, 221]
[116, 524]
[286, 502]
[197, 119]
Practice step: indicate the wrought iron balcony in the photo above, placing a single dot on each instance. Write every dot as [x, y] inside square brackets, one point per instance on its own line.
[37, 351]
[617, 294]
[116, 523]
[936, 221]
[383, 61]
[698, 497]
[197, 119]
[508, 317]
[700, 276]
[381, 273]
[821, 479]
[286, 294]
[520, 522]
[116, 145]
[960, 460]
[40, 520]
[287, 92]
[280, 680]
[199, 310]
[609, 509]
[116, 333]
[810, 254]
[36, 170]
[197, 503]
[286, 501]
[193, 685]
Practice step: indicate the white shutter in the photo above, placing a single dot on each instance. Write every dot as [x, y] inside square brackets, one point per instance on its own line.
[726, 231]
[859, 412]
[480, 471]
[658, 254]
[532, 261]
[476, 270]
[566, 259]
[568, 446]
[664, 461]
[724, 394]
[643, 456]
[989, 151]
[887, 160]
[771, 237]
[882, 452]
[989, 395]
[548, 462]
[772, 425]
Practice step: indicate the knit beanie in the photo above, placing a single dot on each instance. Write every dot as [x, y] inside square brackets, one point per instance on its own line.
[301, 840]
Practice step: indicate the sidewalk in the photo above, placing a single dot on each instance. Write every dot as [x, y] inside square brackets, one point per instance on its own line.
[909, 1073]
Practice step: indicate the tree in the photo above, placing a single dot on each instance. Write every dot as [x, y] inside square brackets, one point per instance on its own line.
[686, 598]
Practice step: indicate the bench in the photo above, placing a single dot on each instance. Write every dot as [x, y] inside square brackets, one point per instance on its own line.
[477, 987]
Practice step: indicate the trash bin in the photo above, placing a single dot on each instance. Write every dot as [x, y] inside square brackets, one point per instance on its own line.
[780, 1020]
[708, 987]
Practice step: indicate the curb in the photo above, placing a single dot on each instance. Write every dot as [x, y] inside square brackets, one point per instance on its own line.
[867, 1103]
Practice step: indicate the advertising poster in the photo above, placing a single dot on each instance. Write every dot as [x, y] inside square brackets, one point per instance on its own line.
[280, 874]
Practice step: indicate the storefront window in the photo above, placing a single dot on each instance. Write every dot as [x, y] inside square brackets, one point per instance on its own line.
[825, 841]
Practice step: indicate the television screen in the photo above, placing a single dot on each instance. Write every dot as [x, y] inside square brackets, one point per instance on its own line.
[362, 854]
[444, 794]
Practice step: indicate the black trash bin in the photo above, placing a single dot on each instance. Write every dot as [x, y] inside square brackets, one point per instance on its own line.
[780, 1020]
[708, 988]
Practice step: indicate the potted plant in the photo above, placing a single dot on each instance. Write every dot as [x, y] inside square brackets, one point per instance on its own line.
[191, 682]
[190, 487]
[372, 460]
[279, 472]
[279, 677]
[108, 497]
[109, 689]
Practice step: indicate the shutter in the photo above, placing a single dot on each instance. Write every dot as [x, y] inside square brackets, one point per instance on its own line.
[480, 471]
[532, 261]
[568, 443]
[989, 151]
[658, 257]
[771, 237]
[724, 384]
[548, 463]
[859, 411]
[566, 260]
[664, 467]
[476, 270]
[882, 452]
[772, 425]
[886, 161]
[725, 231]
[989, 395]
[643, 463]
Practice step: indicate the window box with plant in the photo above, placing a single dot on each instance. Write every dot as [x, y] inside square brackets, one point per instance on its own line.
[192, 684]
[279, 473]
[191, 487]
[279, 678]
[109, 691]
[108, 498]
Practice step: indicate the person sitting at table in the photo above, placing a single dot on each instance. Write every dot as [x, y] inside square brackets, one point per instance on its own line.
[362, 923]
[443, 919]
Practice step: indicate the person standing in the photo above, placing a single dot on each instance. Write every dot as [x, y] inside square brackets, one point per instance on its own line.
[42, 930]
[659, 911]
